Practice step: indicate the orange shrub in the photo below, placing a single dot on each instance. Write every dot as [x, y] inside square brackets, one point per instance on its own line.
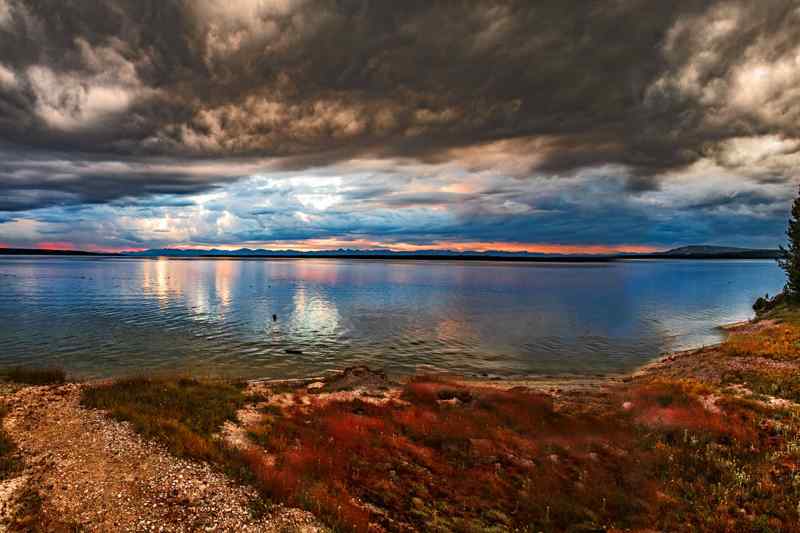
[781, 341]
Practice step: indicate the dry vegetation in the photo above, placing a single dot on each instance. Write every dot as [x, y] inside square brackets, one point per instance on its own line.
[182, 413]
[661, 451]
[780, 342]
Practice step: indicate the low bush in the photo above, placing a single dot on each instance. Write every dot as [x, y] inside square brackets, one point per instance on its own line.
[765, 304]
[669, 455]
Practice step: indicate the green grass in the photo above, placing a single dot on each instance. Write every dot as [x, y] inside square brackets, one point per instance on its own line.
[184, 414]
[34, 376]
[780, 384]
[783, 312]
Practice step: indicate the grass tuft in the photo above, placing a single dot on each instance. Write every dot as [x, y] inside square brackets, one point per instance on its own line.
[783, 311]
[184, 414]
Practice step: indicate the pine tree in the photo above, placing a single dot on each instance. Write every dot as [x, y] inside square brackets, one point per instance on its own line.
[789, 259]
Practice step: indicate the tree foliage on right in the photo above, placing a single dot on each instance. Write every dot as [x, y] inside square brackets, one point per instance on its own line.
[789, 260]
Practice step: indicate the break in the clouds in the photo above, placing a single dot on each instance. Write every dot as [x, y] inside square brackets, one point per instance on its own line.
[131, 124]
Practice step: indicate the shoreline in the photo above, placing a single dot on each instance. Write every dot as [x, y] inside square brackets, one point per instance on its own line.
[538, 381]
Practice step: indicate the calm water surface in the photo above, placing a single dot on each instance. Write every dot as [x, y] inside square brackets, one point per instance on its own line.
[115, 316]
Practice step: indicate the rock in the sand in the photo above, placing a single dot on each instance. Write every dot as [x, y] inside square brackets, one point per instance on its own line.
[315, 387]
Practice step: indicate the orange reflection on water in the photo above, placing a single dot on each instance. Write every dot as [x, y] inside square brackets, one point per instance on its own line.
[459, 329]
[317, 271]
[156, 280]
[224, 272]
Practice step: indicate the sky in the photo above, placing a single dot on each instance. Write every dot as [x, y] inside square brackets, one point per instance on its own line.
[555, 126]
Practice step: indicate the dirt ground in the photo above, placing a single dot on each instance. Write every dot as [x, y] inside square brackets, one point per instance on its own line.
[82, 471]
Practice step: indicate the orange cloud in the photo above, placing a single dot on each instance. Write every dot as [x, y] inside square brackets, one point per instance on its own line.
[464, 246]
[56, 245]
[110, 249]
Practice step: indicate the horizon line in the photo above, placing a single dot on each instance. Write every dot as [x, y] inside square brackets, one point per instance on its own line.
[569, 250]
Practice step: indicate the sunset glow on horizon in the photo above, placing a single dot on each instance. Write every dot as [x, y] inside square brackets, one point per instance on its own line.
[321, 245]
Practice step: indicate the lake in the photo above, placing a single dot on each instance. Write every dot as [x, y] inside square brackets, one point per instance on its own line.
[112, 316]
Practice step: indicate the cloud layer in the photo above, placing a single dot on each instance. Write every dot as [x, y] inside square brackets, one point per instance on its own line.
[627, 122]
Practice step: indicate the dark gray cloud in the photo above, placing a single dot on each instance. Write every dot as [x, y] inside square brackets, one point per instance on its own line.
[31, 178]
[631, 81]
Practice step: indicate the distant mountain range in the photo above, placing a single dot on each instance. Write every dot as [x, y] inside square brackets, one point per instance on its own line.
[248, 252]
[685, 252]
[710, 252]
[370, 254]
[701, 250]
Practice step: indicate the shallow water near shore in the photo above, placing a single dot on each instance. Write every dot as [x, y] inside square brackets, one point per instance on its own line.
[105, 317]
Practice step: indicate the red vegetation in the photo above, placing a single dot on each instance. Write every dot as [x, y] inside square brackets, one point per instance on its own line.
[454, 458]
[490, 459]
[673, 405]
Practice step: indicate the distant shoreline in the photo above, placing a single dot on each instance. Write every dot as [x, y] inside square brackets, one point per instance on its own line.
[745, 254]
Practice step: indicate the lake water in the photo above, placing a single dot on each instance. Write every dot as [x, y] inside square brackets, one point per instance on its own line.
[115, 316]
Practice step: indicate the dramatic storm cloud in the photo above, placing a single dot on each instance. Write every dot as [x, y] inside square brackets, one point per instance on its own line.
[628, 123]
